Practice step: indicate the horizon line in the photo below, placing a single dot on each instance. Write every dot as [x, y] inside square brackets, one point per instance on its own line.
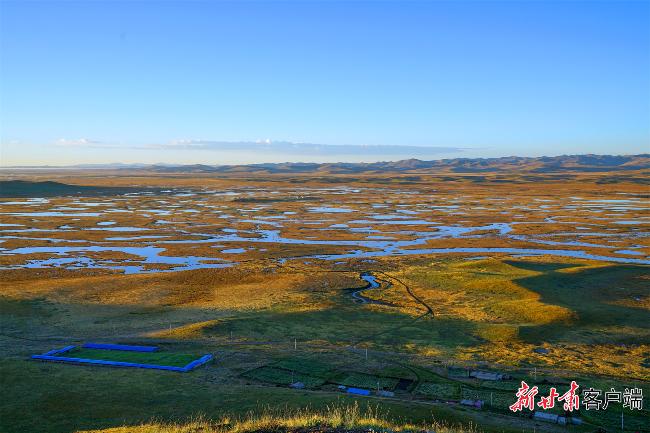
[100, 165]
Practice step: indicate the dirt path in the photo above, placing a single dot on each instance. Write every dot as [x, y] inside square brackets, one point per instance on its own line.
[415, 297]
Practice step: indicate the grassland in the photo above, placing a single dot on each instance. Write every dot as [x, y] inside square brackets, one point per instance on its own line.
[283, 312]
[156, 358]
[333, 419]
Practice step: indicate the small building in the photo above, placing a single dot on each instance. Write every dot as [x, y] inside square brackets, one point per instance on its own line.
[549, 417]
[358, 391]
[473, 403]
[487, 375]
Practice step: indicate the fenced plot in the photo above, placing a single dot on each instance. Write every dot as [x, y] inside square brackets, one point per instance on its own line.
[367, 381]
[158, 358]
[510, 385]
[125, 356]
[281, 376]
[306, 366]
[439, 390]
[497, 399]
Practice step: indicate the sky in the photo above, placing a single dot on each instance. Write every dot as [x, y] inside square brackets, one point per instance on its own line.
[245, 82]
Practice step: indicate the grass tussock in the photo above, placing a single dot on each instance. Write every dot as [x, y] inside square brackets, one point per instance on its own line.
[338, 418]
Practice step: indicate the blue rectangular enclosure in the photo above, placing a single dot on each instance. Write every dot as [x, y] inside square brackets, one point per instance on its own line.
[120, 347]
[55, 356]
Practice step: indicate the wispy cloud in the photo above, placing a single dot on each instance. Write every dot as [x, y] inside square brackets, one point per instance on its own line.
[268, 146]
[263, 150]
[78, 142]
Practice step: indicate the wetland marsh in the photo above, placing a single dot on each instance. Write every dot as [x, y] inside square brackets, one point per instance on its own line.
[387, 283]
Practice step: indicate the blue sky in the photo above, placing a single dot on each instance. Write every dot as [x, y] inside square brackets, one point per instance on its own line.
[245, 82]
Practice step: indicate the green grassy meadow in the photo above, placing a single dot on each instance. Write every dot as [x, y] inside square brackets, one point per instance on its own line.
[157, 358]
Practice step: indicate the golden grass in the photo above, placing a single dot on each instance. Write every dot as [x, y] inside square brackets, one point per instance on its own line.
[501, 299]
[334, 418]
[193, 330]
[604, 359]
[242, 288]
[479, 291]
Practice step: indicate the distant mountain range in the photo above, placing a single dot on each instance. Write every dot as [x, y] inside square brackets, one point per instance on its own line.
[545, 164]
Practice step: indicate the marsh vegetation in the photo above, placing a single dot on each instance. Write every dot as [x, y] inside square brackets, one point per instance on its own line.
[540, 283]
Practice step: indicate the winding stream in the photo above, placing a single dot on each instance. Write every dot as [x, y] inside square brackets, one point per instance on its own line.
[372, 284]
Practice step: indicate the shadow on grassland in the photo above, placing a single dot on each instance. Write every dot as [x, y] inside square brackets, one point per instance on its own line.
[350, 325]
[596, 297]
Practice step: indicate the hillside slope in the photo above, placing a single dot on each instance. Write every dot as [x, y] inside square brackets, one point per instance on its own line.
[340, 419]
